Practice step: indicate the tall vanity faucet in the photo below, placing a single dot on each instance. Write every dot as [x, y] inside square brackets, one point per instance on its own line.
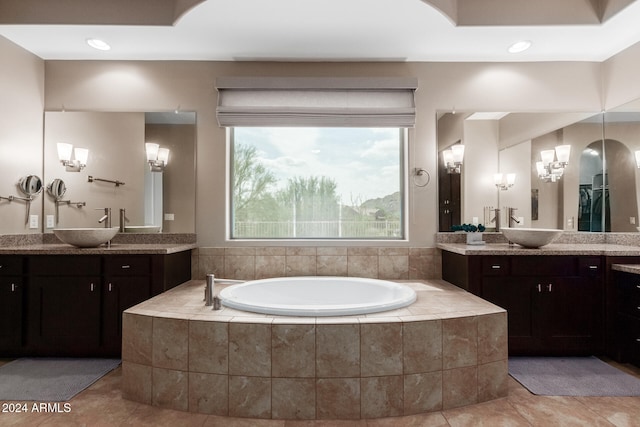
[106, 218]
[512, 217]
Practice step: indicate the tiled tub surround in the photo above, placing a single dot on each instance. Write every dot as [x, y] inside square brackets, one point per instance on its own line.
[447, 350]
[249, 263]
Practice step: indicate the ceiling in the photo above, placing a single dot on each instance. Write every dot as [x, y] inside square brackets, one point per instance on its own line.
[323, 30]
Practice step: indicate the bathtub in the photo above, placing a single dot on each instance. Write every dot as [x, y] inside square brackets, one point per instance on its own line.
[317, 296]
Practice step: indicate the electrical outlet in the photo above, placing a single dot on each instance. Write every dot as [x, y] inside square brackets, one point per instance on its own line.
[50, 221]
[169, 217]
[33, 221]
[632, 219]
[475, 220]
[570, 222]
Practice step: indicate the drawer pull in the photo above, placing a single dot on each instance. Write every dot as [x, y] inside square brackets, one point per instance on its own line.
[13, 287]
[110, 287]
[539, 288]
[549, 287]
[92, 287]
[496, 267]
[126, 266]
[593, 267]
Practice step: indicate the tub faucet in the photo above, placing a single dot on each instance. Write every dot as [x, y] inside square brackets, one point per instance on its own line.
[496, 219]
[106, 218]
[208, 290]
[512, 217]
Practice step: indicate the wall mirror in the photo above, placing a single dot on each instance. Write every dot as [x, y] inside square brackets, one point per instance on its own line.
[116, 144]
[598, 187]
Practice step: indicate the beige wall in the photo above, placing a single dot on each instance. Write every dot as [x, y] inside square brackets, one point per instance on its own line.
[142, 86]
[21, 105]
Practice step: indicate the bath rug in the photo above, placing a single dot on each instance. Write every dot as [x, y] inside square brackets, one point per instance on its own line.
[572, 376]
[50, 379]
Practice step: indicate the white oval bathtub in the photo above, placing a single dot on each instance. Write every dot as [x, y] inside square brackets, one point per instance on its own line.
[317, 296]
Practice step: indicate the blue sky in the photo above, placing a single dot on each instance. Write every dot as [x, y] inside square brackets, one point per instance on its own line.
[365, 162]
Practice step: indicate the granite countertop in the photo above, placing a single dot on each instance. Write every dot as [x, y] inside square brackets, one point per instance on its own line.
[115, 249]
[551, 249]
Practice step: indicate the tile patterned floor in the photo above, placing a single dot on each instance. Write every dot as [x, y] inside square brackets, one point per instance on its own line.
[102, 405]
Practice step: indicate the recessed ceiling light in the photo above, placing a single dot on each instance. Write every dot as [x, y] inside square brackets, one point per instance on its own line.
[98, 44]
[520, 46]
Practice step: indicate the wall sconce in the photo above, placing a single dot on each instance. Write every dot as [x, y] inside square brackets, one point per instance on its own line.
[64, 154]
[453, 158]
[550, 169]
[156, 156]
[498, 179]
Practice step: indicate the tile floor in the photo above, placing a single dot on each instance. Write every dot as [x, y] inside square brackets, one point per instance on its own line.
[102, 405]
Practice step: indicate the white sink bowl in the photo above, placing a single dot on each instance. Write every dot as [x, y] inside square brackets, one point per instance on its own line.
[85, 237]
[142, 229]
[531, 237]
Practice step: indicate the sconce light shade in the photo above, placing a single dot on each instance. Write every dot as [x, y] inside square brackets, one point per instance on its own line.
[152, 151]
[453, 158]
[64, 151]
[447, 157]
[550, 169]
[156, 156]
[638, 158]
[563, 152]
[511, 179]
[64, 155]
[458, 153]
[497, 179]
[547, 156]
[499, 182]
[540, 168]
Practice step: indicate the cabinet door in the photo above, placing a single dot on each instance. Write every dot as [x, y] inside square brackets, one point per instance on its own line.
[519, 296]
[120, 293]
[572, 315]
[68, 322]
[11, 299]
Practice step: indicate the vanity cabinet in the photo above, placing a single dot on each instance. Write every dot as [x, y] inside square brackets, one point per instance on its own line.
[127, 282]
[627, 327]
[11, 302]
[555, 304]
[71, 305]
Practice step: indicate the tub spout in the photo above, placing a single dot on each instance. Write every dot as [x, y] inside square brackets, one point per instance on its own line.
[208, 290]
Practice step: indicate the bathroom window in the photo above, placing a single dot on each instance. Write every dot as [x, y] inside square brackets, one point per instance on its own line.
[317, 183]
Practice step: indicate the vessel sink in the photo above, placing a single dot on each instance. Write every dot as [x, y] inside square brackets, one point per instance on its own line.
[85, 237]
[142, 229]
[531, 237]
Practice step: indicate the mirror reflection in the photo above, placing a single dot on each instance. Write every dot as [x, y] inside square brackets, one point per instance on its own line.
[115, 141]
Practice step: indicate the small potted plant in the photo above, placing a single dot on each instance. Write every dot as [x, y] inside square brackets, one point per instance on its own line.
[473, 232]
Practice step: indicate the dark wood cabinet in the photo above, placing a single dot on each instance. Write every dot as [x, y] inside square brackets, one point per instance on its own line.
[71, 305]
[11, 303]
[555, 304]
[627, 326]
[127, 283]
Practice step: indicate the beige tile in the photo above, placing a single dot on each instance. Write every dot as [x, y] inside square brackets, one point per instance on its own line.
[331, 265]
[337, 350]
[490, 414]
[492, 338]
[268, 266]
[239, 267]
[170, 389]
[209, 347]
[271, 251]
[205, 250]
[362, 266]
[240, 251]
[331, 251]
[422, 392]
[136, 382]
[381, 349]
[250, 349]
[157, 417]
[293, 350]
[459, 387]
[381, 396]
[559, 411]
[338, 398]
[211, 264]
[403, 252]
[619, 411]
[249, 397]
[422, 346]
[301, 251]
[137, 344]
[293, 399]
[493, 380]
[422, 265]
[422, 420]
[300, 265]
[362, 251]
[459, 342]
[393, 267]
[208, 393]
[170, 343]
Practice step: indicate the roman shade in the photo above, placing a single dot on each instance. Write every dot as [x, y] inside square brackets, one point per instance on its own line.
[327, 102]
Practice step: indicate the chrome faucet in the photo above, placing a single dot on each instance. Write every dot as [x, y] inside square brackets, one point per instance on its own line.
[123, 219]
[106, 218]
[496, 219]
[512, 217]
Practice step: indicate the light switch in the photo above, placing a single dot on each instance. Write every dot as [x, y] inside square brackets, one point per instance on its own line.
[169, 217]
[50, 221]
[33, 221]
[632, 219]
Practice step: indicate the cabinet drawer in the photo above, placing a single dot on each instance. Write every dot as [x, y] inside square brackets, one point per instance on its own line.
[629, 338]
[628, 295]
[560, 266]
[65, 265]
[10, 266]
[128, 265]
[590, 266]
[495, 266]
